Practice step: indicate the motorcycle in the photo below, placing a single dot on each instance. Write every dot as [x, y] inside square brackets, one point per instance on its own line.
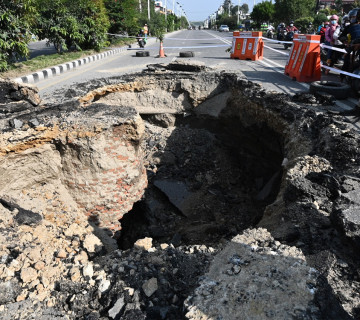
[281, 35]
[270, 34]
[141, 41]
[289, 36]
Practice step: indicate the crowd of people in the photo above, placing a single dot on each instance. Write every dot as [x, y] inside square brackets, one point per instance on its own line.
[344, 35]
[341, 33]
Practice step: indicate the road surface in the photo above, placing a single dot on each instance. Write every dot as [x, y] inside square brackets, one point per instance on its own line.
[209, 46]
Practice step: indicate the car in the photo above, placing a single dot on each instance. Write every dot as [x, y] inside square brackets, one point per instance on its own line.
[224, 28]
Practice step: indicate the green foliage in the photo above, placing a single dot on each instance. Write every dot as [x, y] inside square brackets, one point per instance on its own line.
[15, 18]
[303, 23]
[158, 26]
[286, 10]
[170, 22]
[66, 23]
[123, 15]
[338, 6]
[94, 23]
[263, 12]
[231, 21]
[244, 8]
[355, 4]
[319, 18]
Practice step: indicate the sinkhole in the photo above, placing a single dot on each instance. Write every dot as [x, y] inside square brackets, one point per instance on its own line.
[209, 179]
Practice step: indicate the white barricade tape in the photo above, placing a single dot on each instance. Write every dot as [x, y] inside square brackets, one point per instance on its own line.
[278, 41]
[353, 75]
[332, 48]
[267, 39]
[284, 53]
[124, 36]
[190, 39]
[182, 47]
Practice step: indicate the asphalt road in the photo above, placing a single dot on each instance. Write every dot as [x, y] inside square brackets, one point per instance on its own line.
[209, 46]
[38, 48]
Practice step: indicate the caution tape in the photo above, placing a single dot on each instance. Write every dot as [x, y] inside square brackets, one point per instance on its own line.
[182, 47]
[267, 39]
[177, 39]
[126, 36]
[353, 75]
[332, 48]
[278, 41]
[283, 53]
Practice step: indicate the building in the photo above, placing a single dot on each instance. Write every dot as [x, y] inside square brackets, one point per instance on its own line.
[347, 4]
[159, 7]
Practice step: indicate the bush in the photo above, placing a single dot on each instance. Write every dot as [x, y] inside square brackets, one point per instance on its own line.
[303, 23]
[15, 34]
[81, 24]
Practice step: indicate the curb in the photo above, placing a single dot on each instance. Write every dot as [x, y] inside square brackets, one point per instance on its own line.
[62, 68]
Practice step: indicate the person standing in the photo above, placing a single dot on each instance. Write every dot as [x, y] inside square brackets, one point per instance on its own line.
[330, 40]
[146, 31]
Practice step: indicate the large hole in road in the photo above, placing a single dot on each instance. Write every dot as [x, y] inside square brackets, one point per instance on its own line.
[209, 179]
[188, 158]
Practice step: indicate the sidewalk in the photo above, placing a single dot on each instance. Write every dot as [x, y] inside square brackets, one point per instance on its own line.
[65, 67]
[62, 68]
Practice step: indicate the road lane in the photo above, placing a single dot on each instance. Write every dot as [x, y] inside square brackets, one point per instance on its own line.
[209, 47]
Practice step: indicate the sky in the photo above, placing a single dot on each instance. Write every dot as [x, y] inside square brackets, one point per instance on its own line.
[199, 10]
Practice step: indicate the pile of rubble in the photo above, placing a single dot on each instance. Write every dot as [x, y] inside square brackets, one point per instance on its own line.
[248, 201]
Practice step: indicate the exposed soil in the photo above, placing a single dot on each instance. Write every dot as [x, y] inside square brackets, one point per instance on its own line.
[250, 210]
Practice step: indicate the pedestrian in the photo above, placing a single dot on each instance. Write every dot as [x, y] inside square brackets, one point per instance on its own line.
[146, 30]
[350, 36]
[330, 40]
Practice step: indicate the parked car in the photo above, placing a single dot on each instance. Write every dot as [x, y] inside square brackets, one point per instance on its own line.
[224, 28]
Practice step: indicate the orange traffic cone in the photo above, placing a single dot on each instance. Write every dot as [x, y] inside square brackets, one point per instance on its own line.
[161, 52]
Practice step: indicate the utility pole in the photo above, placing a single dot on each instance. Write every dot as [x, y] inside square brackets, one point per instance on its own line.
[238, 14]
[166, 15]
[149, 11]
[140, 9]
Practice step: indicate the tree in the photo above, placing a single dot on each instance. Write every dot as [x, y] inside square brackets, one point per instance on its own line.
[244, 8]
[262, 12]
[286, 10]
[319, 18]
[15, 20]
[227, 6]
[123, 15]
[339, 6]
[231, 22]
[82, 24]
[93, 21]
